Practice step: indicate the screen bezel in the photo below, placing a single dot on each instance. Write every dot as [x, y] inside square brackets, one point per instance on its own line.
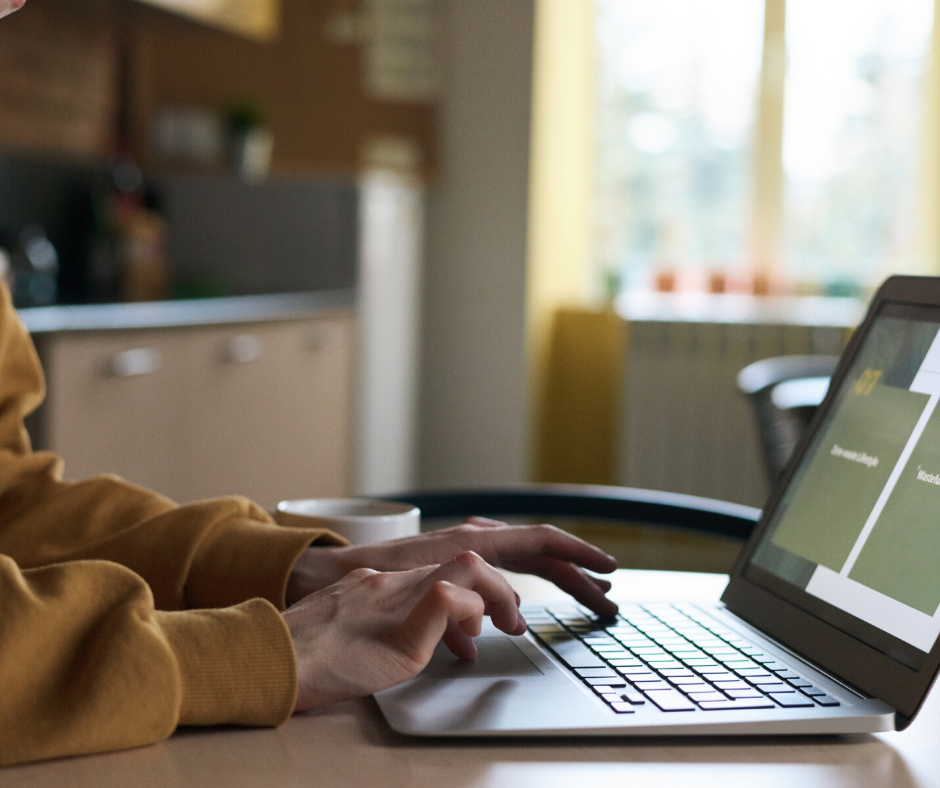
[845, 656]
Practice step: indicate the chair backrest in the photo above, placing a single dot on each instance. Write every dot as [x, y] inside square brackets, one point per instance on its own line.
[784, 392]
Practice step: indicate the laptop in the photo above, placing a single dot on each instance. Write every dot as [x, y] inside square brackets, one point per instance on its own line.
[831, 618]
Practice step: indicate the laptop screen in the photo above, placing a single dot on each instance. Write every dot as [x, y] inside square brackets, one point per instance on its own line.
[855, 537]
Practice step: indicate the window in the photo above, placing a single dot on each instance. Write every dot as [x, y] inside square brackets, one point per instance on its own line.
[792, 148]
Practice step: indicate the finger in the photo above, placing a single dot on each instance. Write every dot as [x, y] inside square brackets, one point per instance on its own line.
[442, 604]
[575, 581]
[516, 542]
[459, 641]
[484, 522]
[601, 583]
[469, 570]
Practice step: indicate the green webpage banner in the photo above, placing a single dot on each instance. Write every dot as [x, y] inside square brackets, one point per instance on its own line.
[860, 522]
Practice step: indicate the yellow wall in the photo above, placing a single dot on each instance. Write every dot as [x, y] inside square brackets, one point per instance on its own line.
[560, 182]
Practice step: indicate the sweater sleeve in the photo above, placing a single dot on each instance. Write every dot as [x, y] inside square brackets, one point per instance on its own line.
[87, 665]
[207, 554]
[105, 639]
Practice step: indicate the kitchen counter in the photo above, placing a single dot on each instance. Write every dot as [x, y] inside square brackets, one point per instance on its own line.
[194, 312]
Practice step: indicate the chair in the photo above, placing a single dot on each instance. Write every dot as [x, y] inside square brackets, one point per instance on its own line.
[596, 502]
[785, 391]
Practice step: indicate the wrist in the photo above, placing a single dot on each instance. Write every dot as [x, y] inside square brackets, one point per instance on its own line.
[317, 567]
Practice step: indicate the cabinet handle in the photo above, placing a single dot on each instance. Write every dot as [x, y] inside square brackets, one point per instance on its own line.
[324, 339]
[243, 349]
[133, 363]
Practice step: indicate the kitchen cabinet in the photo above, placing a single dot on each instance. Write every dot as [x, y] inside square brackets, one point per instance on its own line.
[258, 19]
[262, 408]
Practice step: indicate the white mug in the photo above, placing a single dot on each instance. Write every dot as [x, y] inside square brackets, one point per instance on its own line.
[360, 520]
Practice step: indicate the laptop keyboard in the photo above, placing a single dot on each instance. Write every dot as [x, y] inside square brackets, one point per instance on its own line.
[674, 656]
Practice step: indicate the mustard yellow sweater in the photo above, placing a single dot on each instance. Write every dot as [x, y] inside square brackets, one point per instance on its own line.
[122, 614]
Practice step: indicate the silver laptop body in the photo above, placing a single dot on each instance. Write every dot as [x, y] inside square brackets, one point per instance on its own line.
[831, 618]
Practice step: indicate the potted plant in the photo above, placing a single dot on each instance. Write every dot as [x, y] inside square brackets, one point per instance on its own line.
[250, 139]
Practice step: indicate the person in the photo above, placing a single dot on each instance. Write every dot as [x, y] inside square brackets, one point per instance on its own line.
[124, 615]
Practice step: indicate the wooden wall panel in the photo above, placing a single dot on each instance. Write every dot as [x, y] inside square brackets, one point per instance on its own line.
[74, 73]
[58, 79]
[310, 87]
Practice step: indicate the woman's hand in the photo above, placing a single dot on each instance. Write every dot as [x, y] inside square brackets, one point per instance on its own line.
[541, 550]
[372, 630]
[9, 6]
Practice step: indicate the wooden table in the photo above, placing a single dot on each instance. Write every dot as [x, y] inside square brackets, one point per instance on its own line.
[349, 744]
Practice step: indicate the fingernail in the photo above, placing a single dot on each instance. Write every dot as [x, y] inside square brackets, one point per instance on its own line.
[522, 622]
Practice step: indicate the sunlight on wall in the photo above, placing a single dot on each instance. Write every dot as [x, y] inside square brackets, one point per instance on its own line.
[560, 176]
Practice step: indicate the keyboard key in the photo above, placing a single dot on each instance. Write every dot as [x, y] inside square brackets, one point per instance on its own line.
[608, 681]
[611, 697]
[771, 685]
[646, 686]
[635, 642]
[798, 682]
[686, 652]
[748, 670]
[588, 673]
[637, 674]
[728, 685]
[677, 673]
[737, 661]
[699, 687]
[625, 662]
[574, 653]
[634, 696]
[791, 700]
[754, 673]
[825, 700]
[698, 663]
[786, 673]
[663, 665]
[775, 666]
[545, 628]
[719, 674]
[705, 697]
[812, 691]
[651, 656]
[670, 700]
[622, 707]
[740, 703]
[744, 693]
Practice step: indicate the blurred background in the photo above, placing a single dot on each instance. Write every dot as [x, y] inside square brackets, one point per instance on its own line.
[296, 248]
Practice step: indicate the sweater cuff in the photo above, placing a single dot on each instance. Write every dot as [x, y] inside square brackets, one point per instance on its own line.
[237, 666]
[244, 559]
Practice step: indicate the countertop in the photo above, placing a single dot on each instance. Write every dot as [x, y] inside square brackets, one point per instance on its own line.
[194, 312]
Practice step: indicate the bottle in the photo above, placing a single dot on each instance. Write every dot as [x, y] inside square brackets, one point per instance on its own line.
[33, 266]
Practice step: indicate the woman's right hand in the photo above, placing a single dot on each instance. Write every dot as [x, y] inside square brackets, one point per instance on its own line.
[372, 630]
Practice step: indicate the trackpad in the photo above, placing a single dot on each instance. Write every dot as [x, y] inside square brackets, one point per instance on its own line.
[498, 657]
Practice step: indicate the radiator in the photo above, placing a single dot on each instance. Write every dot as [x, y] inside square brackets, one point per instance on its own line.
[683, 425]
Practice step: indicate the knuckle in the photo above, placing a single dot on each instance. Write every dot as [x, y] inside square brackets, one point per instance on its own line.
[468, 559]
[361, 574]
[547, 531]
[441, 592]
